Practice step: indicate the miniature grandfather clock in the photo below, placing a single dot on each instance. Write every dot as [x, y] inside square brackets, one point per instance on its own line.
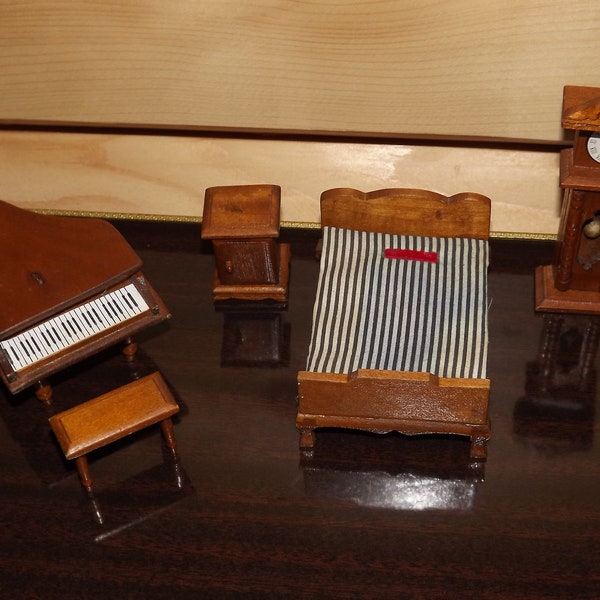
[243, 223]
[572, 283]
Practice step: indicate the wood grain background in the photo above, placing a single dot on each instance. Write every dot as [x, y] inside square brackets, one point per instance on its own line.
[446, 71]
[401, 67]
[165, 176]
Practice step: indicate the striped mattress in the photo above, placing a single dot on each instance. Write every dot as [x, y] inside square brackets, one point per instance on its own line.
[402, 303]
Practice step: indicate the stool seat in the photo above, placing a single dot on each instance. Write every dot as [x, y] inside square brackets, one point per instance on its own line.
[113, 416]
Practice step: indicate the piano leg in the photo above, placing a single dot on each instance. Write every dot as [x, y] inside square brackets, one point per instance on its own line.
[130, 348]
[43, 391]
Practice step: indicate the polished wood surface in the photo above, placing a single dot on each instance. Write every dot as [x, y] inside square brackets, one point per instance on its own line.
[243, 515]
[50, 263]
[407, 211]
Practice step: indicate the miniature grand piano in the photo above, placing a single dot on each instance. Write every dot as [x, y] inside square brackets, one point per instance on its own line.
[69, 287]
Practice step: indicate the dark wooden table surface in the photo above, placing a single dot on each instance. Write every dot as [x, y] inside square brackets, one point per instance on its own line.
[243, 514]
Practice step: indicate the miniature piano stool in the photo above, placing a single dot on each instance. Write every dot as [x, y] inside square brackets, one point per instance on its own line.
[113, 416]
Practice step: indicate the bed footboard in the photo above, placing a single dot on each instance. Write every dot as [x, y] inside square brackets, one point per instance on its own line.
[384, 401]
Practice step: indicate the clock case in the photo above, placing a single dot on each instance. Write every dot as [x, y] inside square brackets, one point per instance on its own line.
[572, 283]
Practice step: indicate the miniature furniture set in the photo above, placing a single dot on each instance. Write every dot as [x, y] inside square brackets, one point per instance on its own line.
[399, 338]
[399, 333]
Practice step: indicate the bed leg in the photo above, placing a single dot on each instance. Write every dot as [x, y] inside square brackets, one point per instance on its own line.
[307, 438]
[479, 439]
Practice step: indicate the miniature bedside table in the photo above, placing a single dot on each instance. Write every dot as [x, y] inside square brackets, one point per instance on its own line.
[242, 221]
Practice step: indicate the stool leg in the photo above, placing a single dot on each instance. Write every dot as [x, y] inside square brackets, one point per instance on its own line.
[168, 434]
[84, 472]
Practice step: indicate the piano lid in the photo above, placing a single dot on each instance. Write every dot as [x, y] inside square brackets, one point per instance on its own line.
[50, 263]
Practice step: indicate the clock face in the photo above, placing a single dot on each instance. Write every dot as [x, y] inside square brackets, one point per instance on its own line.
[593, 146]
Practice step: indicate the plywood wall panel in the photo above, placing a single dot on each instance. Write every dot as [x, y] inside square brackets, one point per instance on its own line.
[165, 176]
[449, 68]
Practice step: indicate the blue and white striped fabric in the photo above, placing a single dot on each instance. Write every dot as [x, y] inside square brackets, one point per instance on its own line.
[373, 312]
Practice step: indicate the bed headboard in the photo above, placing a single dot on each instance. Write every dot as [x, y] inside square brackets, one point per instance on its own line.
[407, 211]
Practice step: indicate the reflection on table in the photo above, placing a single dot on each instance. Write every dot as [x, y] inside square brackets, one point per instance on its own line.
[557, 413]
[393, 471]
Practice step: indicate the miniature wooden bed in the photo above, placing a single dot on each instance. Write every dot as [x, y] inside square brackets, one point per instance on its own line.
[399, 336]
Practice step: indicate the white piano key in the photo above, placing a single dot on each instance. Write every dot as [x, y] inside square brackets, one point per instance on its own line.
[14, 356]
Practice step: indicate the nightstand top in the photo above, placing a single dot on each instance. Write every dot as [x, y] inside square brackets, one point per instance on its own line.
[241, 211]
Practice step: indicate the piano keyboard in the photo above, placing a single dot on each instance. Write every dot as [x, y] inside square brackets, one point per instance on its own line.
[74, 326]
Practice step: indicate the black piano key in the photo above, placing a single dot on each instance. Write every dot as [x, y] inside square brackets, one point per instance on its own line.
[89, 320]
[104, 310]
[117, 306]
[98, 317]
[80, 324]
[34, 341]
[15, 356]
[66, 329]
[111, 309]
[129, 301]
[75, 329]
[126, 307]
[76, 325]
[132, 299]
[47, 338]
